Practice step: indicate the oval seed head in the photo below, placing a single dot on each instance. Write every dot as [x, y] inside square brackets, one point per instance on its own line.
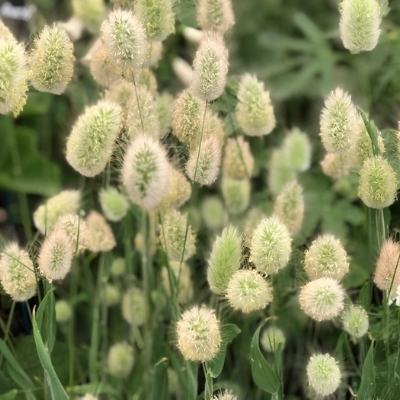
[142, 114]
[224, 260]
[156, 17]
[271, 338]
[250, 223]
[212, 210]
[134, 307]
[215, 15]
[210, 68]
[120, 360]
[101, 237]
[359, 24]
[289, 207]
[378, 183]
[204, 161]
[145, 171]
[322, 299]
[112, 295]
[164, 105]
[92, 13]
[363, 149]
[52, 61]
[172, 236]
[323, 374]
[17, 274]
[254, 111]
[224, 396]
[355, 321]
[114, 204]
[55, 257]
[46, 216]
[339, 122]
[336, 166]
[90, 144]
[63, 311]
[238, 161]
[248, 291]
[236, 194]
[279, 172]
[120, 93]
[13, 76]
[185, 287]
[5, 33]
[103, 69]
[270, 246]
[125, 40]
[118, 266]
[297, 150]
[388, 266]
[183, 71]
[76, 230]
[326, 258]
[146, 78]
[199, 336]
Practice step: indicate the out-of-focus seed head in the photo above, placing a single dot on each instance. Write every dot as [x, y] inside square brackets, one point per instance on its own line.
[55, 256]
[172, 236]
[112, 295]
[224, 260]
[5, 33]
[213, 213]
[270, 246]
[323, 374]
[236, 194]
[183, 71]
[250, 223]
[279, 172]
[378, 183]
[153, 54]
[145, 171]
[134, 307]
[90, 144]
[363, 149]
[215, 15]
[125, 40]
[210, 68]
[322, 299]
[326, 258]
[388, 266]
[164, 105]
[91, 12]
[51, 61]
[199, 336]
[17, 274]
[120, 360]
[248, 291]
[355, 321]
[297, 150]
[145, 77]
[101, 237]
[76, 230]
[103, 69]
[339, 123]
[254, 110]
[336, 166]
[118, 267]
[289, 207]
[114, 204]
[66, 202]
[238, 161]
[63, 311]
[271, 338]
[120, 93]
[359, 24]
[185, 287]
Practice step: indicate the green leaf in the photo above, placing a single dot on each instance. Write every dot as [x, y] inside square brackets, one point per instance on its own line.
[372, 131]
[192, 370]
[367, 387]
[9, 395]
[160, 389]
[185, 12]
[263, 374]
[228, 333]
[47, 312]
[391, 141]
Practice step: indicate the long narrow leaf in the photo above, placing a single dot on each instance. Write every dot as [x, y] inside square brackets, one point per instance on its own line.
[367, 387]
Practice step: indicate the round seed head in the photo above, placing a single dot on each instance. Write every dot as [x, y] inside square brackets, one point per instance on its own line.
[215, 15]
[112, 295]
[5, 33]
[199, 336]
[323, 374]
[212, 210]
[63, 311]
[120, 360]
[101, 237]
[238, 161]
[326, 258]
[355, 321]
[388, 266]
[236, 194]
[113, 203]
[271, 338]
[279, 172]
[118, 267]
[76, 230]
[336, 166]
[103, 69]
[91, 12]
[153, 54]
[297, 150]
[322, 299]
[134, 307]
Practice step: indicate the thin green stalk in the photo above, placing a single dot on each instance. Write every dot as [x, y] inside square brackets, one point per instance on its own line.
[73, 288]
[208, 387]
[8, 326]
[137, 101]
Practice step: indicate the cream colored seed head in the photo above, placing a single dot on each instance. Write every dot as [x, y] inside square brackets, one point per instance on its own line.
[238, 161]
[388, 266]
[224, 396]
[114, 204]
[215, 15]
[91, 12]
[120, 360]
[336, 166]
[101, 236]
[76, 230]
[103, 69]
[355, 321]
[323, 374]
[297, 150]
[279, 172]
[185, 287]
[135, 309]
[236, 194]
[271, 338]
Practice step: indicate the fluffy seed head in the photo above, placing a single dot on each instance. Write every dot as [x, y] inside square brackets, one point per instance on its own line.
[76, 230]
[323, 374]
[114, 204]
[185, 287]
[355, 321]
[5, 33]
[336, 166]
[90, 144]
[270, 246]
[363, 149]
[326, 258]
[224, 396]
[120, 92]
[134, 307]
[103, 69]
[145, 171]
[215, 15]
[125, 40]
[378, 183]
[248, 291]
[112, 295]
[386, 271]
[172, 236]
[17, 274]
[55, 257]
[322, 299]
[212, 211]
[289, 207]
[66, 202]
[13, 76]
[101, 237]
[279, 172]
[254, 110]
[359, 24]
[120, 360]
[339, 122]
[210, 68]
[224, 260]
[118, 266]
[199, 336]
[91, 12]
[271, 338]
[297, 150]
[236, 194]
[63, 311]
[164, 105]
[238, 161]
[52, 61]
